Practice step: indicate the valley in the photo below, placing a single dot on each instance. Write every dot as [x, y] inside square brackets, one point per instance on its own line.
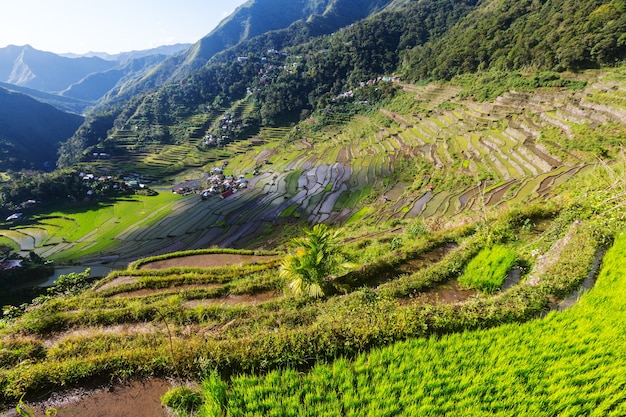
[473, 155]
[486, 174]
[370, 208]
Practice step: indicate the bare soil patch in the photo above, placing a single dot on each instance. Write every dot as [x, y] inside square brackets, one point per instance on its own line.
[231, 299]
[120, 329]
[118, 281]
[206, 261]
[141, 398]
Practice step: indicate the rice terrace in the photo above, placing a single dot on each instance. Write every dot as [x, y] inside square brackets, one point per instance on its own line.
[435, 192]
[321, 208]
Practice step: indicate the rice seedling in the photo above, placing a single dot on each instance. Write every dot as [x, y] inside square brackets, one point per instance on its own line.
[488, 270]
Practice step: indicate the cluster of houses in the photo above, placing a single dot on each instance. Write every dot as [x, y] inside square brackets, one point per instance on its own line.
[96, 156]
[216, 184]
[222, 185]
[130, 181]
[226, 126]
[211, 140]
[350, 93]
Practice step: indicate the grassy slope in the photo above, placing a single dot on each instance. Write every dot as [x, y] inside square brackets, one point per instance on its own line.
[68, 341]
[519, 146]
[568, 363]
[98, 230]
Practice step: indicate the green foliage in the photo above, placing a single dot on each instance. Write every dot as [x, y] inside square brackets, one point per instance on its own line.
[488, 270]
[566, 363]
[70, 284]
[315, 257]
[517, 35]
[92, 132]
[182, 400]
[487, 85]
[58, 187]
[416, 228]
[214, 391]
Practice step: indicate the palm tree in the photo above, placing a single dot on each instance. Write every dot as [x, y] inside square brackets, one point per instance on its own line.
[316, 256]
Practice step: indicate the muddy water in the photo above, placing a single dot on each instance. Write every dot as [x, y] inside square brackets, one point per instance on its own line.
[513, 278]
[140, 398]
[588, 283]
[450, 292]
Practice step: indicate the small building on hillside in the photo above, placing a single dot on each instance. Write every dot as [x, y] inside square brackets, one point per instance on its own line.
[15, 217]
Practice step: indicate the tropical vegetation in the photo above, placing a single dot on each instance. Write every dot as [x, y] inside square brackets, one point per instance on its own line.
[407, 216]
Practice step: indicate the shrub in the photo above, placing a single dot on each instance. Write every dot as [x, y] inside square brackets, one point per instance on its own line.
[182, 400]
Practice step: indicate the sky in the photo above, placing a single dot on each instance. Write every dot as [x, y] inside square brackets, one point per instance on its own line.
[111, 26]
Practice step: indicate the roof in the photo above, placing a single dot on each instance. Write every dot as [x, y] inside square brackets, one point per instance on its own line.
[15, 216]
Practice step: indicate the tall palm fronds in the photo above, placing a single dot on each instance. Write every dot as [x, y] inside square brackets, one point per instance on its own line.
[317, 255]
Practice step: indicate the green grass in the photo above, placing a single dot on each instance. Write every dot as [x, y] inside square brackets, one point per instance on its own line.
[359, 215]
[5, 241]
[97, 229]
[289, 211]
[568, 364]
[488, 270]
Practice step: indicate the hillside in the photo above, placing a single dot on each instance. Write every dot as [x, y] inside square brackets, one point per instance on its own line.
[512, 35]
[31, 132]
[66, 104]
[397, 40]
[74, 83]
[25, 66]
[254, 19]
[515, 173]
[374, 221]
[96, 85]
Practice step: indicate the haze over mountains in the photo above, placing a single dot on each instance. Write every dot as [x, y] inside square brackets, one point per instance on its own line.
[86, 78]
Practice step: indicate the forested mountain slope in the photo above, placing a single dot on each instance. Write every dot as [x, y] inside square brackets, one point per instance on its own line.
[304, 18]
[422, 40]
[31, 132]
[526, 34]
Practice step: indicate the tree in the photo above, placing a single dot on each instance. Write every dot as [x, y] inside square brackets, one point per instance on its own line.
[70, 284]
[316, 256]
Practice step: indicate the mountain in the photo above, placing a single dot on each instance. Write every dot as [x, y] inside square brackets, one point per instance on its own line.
[74, 82]
[31, 132]
[94, 86]
[28, 67]
[125, 56]
[63, 103]
[504, 35]
[253, 19]
[420, 40]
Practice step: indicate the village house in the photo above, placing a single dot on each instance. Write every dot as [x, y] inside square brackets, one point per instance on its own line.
[15, 217]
